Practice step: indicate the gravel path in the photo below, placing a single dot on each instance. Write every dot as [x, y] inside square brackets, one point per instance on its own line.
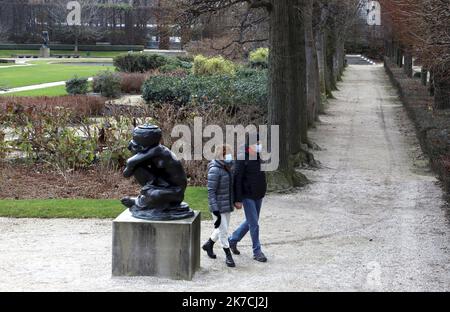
[374, 219]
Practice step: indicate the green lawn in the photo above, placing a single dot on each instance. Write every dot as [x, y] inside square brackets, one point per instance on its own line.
[197, 198]
[9, 53]
[43, 72]
[53, 91]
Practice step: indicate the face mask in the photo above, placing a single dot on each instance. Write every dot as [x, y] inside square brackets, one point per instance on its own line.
[228, 159]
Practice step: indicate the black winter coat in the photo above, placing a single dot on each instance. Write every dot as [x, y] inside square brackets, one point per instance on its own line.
[249, 180]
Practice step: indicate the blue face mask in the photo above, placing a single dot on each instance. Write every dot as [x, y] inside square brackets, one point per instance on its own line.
[259, 148]
[228, 159]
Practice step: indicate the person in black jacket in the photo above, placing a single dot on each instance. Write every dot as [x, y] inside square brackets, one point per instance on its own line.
[250, 188]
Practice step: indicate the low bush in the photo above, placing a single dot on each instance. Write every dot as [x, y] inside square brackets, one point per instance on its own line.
[144, 62]
[51, 138]
[132, 82]
[217, 65]
[79, 105]
[108, 84]
[251, 89]
[208, 90]
[77, 86]
[139, 62]
[166, 89]
[168, 68]
[259, 58]
[187, 58]
[247, 72]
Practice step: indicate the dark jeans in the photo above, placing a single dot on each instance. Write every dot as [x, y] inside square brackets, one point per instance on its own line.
[252, 209]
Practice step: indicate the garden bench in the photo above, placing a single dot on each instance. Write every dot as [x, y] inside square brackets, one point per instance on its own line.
[66, 55]
[25, 56]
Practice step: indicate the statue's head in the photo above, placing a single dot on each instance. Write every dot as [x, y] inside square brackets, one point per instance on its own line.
[145, 137]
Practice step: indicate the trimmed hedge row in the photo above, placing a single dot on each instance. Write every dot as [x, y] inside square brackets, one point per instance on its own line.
[246, 88]
[61, 47]
[143, 62]
[432, 126]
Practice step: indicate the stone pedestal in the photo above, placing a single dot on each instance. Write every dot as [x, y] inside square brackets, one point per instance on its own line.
[169, 249]
[45, 52]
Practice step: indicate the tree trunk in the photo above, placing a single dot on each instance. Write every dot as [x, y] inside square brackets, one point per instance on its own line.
[399, 57]
[129, 26]
[408, 66]
[164, 37]
[312, 67]
[162, 27]
[442, 92]
[186, 35]
[431, 84]
[330, 55]
[424, 76]
[287, 82]
[77, 34]
[320, 46]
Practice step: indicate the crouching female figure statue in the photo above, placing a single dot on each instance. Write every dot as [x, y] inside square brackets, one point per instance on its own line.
[161, 176]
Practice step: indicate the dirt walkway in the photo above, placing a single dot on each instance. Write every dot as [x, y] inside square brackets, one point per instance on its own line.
[373, 220]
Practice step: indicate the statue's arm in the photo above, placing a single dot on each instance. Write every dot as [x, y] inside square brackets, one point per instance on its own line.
[139, 158]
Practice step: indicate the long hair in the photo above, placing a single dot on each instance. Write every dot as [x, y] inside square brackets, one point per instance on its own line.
[221, 150]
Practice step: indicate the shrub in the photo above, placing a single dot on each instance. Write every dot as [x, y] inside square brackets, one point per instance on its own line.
[246, 72]
[260, 58]
[168, 68]
[208, 90]
[211, 90]
[132, 82]
[174, 64]
[108, 84]
[79, 105]
[46, 136]
[50, 137]
[204, 66]
[77, 85]
[139, 62]
[187, 58]
[251, 89]
[165, 89]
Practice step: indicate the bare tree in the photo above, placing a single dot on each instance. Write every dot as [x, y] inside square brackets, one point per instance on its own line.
[88, 26]
[419, 28]
[3, 32]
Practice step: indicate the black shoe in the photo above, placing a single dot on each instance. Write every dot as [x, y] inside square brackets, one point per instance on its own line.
[233, 247]
[260, 258]
[208, 247]
[229, 261]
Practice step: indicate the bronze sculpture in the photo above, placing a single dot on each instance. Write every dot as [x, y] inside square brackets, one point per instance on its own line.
[161, 176]
[45, 39]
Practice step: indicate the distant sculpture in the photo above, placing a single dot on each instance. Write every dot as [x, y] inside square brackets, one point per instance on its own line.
[161, 176]
[46, 39]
